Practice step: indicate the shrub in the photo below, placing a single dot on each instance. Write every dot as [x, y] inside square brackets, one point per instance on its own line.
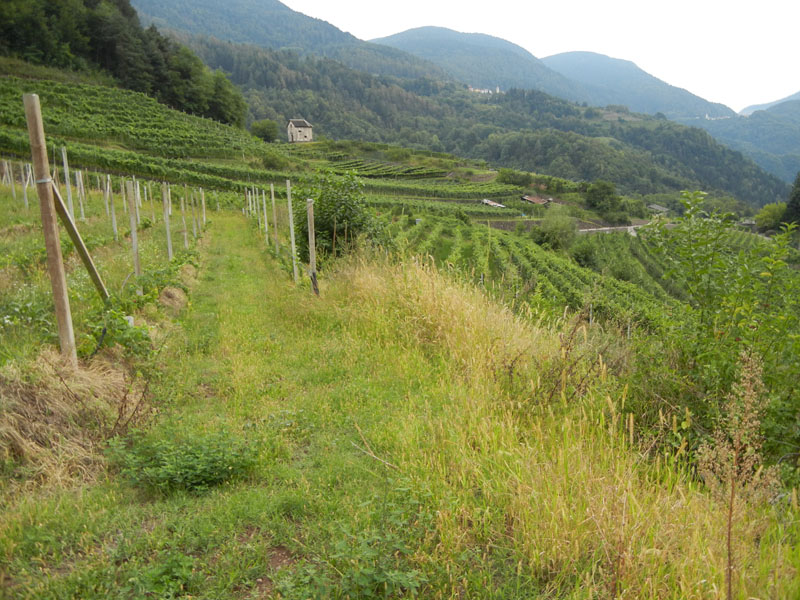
[171, 461]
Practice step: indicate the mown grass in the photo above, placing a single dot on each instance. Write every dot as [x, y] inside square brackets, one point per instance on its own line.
[414, 439]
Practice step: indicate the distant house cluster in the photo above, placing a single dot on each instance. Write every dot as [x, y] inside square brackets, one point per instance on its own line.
[484, 90]
[300, 130]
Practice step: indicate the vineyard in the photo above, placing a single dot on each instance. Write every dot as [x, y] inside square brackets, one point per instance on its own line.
[516, 268]
[115, 117]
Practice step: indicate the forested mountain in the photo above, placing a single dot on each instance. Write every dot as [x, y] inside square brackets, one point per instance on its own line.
[751, 109]
[91, 35]
[272, 24]
[483, 61]
[521, 128]
[771, 137]
[614, 81]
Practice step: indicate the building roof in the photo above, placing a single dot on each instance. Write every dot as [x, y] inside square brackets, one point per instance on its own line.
[536, 200]
[300, 123]
[657, 208]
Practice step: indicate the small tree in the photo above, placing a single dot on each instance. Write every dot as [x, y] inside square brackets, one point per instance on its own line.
[265, 129]
[793, 206]
[557, 229]
[771, 216]
[602, 196]
[341, 214]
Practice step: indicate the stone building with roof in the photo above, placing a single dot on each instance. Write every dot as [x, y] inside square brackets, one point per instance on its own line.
[300, 130]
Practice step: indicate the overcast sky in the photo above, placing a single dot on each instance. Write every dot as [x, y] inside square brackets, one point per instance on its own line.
[718, 50]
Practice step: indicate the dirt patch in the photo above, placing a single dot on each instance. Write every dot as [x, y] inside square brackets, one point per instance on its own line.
[280, 557]
[172, 298]
[16, 229]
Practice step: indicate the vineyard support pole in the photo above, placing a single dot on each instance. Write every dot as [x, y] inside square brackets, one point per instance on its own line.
[194, 219]
[55, 261]
[81, 195]
[137, 268]
[148, 193]
[165, 206]
[258, 210]
[274, 215]
[312, 247]
[26, 182]
[291, 231]
[124, 196]
[66, 180]
[266, 221]
[110, 185]
[12, 182]
[203, 200]
[80, 247]
[183, 219]
[137, 200]
[105, 194]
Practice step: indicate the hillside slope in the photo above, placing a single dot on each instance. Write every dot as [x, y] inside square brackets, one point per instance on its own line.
[483, 61]
[751, 109]
[614, 81]
[524, 129]
[272, 24]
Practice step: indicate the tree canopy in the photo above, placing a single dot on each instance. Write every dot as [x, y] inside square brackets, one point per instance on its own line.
[106, 35]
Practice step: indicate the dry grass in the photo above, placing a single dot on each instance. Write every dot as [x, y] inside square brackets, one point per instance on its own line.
[545, 472]
[53, 418]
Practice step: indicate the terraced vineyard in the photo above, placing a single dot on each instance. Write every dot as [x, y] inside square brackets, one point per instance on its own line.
[377, 169]
[516, 268]
[114, 116]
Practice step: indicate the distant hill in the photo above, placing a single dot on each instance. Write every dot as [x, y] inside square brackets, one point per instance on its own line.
[272, 24]
[770, 137]
[615, 81]
[483, 61]
[524, 129]
[751, 109]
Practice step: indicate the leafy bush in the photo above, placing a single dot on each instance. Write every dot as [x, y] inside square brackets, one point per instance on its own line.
[169, 461]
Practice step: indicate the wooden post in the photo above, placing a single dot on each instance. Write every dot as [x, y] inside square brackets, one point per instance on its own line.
[131, 197]
[80, 247]
[4, 174]
[258, 210]
[312, 247]
[169, 199]
[203, 200]
[266, 222]
[113, 211]
[291, 231]
[274, 215]
[216, 197]
[55, 261]
[165, 202]
[66, 180]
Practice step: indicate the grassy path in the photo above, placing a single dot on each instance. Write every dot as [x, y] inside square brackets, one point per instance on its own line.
[264, 361]
[413, 439]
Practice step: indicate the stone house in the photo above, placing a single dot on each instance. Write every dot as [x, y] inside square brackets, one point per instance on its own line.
[300, 130]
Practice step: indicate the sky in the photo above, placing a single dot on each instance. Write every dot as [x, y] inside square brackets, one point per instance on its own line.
[730, 52]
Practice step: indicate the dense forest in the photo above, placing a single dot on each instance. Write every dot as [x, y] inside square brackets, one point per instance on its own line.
[107, 36]
[525, 129]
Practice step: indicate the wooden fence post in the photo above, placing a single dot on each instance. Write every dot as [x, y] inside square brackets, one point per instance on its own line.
[110, 185]
[66, 180]
[312, 247]
[164, 202]
[274, 215]
[291, 231]
[55, 261]
[80, 246]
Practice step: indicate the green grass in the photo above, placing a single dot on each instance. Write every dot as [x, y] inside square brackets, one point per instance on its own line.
[413, 438]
